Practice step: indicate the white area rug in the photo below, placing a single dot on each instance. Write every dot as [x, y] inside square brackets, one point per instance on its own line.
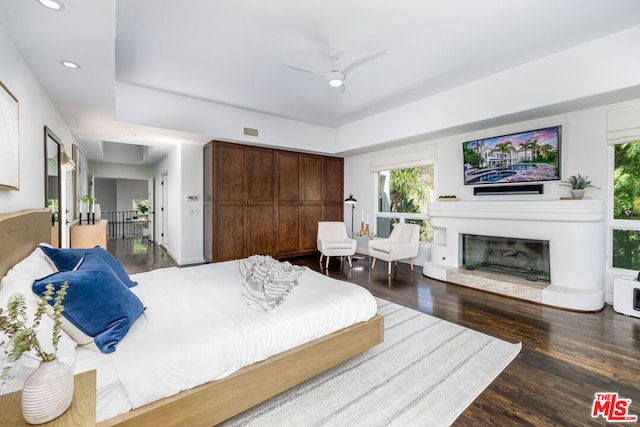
[425, 373]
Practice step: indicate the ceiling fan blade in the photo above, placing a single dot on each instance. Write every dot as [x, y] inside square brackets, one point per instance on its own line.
[305, 70]
[362, 61]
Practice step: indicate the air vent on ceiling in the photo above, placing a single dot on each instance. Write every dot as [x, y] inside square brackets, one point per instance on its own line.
[251, 132]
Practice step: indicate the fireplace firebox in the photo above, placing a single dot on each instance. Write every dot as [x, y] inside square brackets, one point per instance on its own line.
[525, 258]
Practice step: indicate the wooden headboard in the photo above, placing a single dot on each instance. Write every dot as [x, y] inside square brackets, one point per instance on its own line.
[20, 233]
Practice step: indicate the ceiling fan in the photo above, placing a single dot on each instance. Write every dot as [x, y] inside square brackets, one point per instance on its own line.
[337, 76]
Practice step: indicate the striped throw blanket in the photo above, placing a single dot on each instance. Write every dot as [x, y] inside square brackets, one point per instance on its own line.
[266, 282]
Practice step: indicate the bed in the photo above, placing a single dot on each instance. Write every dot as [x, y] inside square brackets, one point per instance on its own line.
[214, 400]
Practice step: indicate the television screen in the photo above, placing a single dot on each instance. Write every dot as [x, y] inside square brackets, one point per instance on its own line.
[529, 156]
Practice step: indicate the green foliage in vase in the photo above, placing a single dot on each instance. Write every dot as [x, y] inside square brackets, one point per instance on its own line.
[88, 199]
[23, 338]
[578, 182]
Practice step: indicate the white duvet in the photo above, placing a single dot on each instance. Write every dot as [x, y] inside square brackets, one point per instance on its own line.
[197, 328]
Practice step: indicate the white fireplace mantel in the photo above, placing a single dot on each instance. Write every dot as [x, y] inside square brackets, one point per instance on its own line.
[575, 230]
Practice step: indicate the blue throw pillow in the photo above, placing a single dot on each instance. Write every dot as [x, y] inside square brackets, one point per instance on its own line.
[68, 259]
[97, 301]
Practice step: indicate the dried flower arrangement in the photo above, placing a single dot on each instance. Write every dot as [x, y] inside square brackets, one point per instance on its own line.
[22, 338]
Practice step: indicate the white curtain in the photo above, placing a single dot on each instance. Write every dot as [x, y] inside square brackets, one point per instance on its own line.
[406, 156]
[623, 125]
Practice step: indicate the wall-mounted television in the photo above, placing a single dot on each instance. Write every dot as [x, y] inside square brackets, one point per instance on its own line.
[530, 156]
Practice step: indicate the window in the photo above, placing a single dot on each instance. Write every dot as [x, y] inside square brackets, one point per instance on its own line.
[403, 196]
[626, 206]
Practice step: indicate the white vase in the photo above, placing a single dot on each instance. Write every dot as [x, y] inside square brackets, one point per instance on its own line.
[97, 212]
[47, 392]
[577, 194]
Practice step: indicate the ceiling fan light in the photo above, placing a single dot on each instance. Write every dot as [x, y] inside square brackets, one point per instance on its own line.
[52, 4]
[336, 79]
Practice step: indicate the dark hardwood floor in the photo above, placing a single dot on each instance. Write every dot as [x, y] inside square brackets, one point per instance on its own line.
[137, 254]
[566, 356]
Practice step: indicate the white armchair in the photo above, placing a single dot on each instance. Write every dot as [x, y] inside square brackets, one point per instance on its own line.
[333, 241]
[403, 243]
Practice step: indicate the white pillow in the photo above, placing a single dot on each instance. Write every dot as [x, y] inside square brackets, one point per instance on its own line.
[36, 265]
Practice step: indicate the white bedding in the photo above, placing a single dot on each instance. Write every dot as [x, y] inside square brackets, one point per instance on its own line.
[197, 328]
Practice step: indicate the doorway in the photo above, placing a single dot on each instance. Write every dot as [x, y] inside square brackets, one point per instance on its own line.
[164, 214]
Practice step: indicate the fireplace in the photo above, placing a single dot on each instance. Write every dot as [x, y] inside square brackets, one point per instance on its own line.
[526, 258]
[563, 242]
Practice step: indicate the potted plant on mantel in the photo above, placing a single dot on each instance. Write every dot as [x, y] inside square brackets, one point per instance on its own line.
[48, 390]
[578, 184]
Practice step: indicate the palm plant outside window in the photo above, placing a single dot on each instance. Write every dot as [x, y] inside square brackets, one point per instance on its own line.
[403, 196]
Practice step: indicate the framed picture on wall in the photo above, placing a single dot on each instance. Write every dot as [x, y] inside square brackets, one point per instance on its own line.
[9, 140]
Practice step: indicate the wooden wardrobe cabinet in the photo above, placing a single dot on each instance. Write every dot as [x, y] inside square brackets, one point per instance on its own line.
[242, 214]
[266, 201]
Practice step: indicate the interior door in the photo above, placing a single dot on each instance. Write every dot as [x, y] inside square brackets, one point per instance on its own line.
[151, 193]
[164, 236]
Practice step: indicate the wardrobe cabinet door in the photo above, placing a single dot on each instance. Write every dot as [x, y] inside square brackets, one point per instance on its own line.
[228, 232]
[229, 173]
[288, 193]
[333, 211]
[311, 177]
[333, 180]
[288, 172]
[260, 232]
[310, 215]
[287, 240]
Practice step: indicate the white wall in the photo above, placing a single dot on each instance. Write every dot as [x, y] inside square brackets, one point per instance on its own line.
[129, 189]
[151, 107]
[105, 192]
[122, 171]
[185, 228]
[35, 111]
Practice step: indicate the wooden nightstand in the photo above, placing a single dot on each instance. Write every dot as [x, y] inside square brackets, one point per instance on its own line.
[89, 235]
[81, 413]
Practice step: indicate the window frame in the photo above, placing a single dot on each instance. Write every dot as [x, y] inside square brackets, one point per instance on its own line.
[400, 216]
[612, 223]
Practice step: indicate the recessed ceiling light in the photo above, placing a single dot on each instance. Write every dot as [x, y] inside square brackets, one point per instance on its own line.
[70, 64]
[52, 4]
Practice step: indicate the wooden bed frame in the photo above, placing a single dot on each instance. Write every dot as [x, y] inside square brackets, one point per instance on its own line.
[216, 401]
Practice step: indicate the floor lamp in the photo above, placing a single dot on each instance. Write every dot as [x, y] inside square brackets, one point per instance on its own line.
[351, 201]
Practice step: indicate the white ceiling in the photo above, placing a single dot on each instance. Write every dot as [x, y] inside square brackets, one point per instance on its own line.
[233, 53]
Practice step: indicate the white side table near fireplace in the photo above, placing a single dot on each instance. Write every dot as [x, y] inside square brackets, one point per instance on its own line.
[362, 250]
